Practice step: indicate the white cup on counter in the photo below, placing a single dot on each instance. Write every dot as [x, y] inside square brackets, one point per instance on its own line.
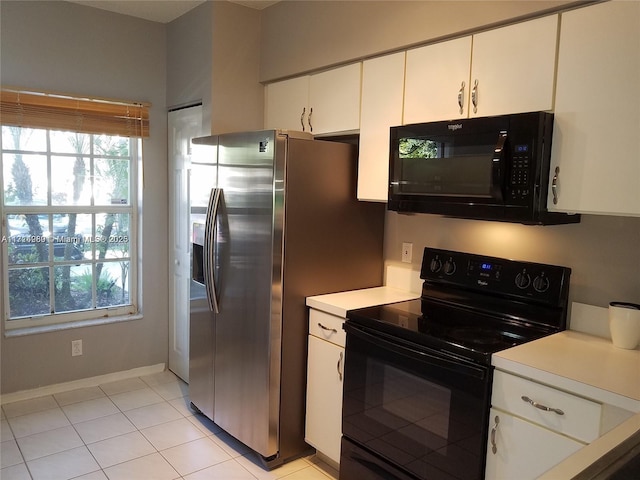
[624, 324]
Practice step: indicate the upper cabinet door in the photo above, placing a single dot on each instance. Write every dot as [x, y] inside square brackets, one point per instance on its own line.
[596, 137]
[334, 100]
[437, 81]
[287, 104]
[513, 68]
[506, 70]
[382, 90]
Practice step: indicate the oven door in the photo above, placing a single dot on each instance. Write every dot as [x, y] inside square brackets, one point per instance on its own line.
[421, 411]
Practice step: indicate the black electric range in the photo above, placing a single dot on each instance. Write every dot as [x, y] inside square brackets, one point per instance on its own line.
[418, 374]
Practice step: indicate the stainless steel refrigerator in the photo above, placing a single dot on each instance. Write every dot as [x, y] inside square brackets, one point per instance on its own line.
[274, 219]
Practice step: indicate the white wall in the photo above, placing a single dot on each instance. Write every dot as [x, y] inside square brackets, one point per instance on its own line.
[65, 47]
[602, 251]
[302, 36]
[213, 58]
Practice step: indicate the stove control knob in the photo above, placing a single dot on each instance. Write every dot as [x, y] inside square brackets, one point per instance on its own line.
[449, 267]
[541, 283]
[523, 280]
[435, 265]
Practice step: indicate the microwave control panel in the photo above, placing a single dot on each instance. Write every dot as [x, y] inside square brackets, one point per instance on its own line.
[520, 175]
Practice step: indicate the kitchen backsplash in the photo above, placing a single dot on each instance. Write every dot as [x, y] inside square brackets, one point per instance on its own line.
[602, 251]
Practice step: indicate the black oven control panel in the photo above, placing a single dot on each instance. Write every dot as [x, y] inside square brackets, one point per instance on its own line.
[527, 280]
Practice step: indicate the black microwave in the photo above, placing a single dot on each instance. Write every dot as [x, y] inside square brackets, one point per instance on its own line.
[490, 168]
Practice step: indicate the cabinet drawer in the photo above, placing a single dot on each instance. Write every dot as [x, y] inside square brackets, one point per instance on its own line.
[326, 326]
[580, 418]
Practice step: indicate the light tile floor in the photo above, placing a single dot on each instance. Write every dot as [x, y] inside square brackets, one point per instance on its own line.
[140, 428]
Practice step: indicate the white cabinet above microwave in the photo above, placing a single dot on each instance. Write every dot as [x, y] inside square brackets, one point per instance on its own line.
[505, 70]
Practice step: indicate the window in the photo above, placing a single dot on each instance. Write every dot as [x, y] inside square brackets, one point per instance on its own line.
[69, 224]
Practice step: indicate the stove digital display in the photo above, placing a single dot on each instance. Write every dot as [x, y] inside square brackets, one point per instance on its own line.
[485, 270]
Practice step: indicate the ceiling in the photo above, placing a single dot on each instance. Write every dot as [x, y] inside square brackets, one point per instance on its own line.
[163, 11]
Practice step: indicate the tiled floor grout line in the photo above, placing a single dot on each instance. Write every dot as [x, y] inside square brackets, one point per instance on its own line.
[156, 388]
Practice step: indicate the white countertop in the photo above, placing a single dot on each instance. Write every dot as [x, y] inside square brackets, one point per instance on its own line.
[340, 303]
[586, 456]
[584, 364]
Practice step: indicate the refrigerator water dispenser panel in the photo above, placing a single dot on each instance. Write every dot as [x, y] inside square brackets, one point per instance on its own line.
[197, 252]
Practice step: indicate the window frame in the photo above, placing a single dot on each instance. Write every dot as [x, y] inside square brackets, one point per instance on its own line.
[69, 319]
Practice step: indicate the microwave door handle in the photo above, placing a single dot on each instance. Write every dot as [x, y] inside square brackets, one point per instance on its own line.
[498, 166]
[209, 249]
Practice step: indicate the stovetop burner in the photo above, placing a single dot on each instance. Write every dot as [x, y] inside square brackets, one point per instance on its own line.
[473, 306]
[474, 342]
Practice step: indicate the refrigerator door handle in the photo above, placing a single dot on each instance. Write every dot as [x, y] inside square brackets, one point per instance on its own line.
[209, 249]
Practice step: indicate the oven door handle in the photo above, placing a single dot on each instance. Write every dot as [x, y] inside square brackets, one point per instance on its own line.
[416, 352]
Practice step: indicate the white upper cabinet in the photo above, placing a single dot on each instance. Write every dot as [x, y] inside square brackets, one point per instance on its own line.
[514, 68]
[323, 103]
[505, 70]
[334, 100]
[596, 137]
[437, 82]
[287, 104]
[382, 91]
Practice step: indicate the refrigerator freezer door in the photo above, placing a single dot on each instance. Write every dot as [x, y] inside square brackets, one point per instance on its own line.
[248, 325]
[201, 332]
[202, 178]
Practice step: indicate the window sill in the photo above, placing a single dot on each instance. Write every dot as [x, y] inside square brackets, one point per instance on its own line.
[21, 332]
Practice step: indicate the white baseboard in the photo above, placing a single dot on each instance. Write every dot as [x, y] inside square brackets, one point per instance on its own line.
[82, 383]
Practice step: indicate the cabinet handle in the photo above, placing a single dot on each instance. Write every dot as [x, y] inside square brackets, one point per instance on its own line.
[461, 98]
[494, 446]
[339, 365]
[542, 407]
[474, 96]
[304, 110]
[327, 328]
[554, 185]
[309, 119]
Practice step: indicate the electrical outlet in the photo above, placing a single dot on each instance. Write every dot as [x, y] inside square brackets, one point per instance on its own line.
[407, 252]
[76, 348]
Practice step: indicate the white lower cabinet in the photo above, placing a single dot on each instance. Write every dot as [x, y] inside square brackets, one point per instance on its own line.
[325, 367]
[523, 450]
[533, 427]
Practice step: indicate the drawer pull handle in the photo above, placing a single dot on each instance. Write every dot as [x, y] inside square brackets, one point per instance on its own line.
[494, 446]
[332, 330]
[542, 407]
[339, 365]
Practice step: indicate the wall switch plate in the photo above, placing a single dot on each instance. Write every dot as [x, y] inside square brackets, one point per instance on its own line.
[76, 348]
[407, 252]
